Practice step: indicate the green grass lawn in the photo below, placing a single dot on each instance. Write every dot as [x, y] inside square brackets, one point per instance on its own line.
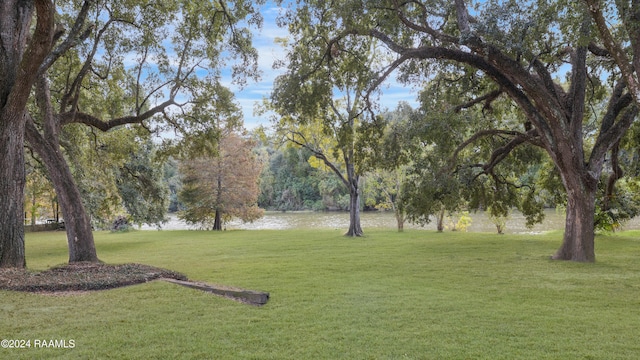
[415, 295]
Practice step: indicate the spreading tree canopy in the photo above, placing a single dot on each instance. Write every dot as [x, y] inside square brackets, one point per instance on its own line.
[153, 65]
[525, 49]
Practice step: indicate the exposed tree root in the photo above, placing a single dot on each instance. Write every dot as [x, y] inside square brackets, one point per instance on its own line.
[82, 277]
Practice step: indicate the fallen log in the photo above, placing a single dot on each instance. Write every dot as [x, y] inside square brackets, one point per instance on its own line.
[252, 297]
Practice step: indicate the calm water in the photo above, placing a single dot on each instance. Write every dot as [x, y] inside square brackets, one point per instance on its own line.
[378, 220]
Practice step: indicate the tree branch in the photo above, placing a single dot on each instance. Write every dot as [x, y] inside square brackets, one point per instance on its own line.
[37, 49]
[608, 138]
[73, 38]
[528, 136]
[318, 155]
[508, 74]
[616, 174]
[598, 51]
[577, 93]
[614, 48]
[75, 85]
[462, 16]
[421, 28]
[544, 74]
[502, 152]
[486, 97]
[87, 119]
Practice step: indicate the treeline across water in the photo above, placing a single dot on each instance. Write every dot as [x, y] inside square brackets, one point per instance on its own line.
[288, 182]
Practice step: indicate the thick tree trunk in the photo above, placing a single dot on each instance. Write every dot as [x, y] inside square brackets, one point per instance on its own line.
[77, 222]
[12, 181]
[22, 49]
[581, 186]
[579, 235]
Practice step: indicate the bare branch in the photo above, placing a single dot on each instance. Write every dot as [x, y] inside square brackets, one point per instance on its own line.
[87, 119]
[487, 97]
[577, 92]
[502, 152]
[37, 49]
[548, 82]
[616, 51]
[75, 86]
[606, 139]
[421, 28]
[73, 38]
[485, 133]
[598, 51]
[463, 18]
[318, 155]
[616, 174]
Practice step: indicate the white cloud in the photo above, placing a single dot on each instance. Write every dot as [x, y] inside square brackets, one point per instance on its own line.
[269, 52]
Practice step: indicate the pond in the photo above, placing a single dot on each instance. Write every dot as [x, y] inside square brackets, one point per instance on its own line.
[480, 222]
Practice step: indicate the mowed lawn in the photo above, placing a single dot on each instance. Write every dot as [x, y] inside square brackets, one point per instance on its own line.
[412, 295]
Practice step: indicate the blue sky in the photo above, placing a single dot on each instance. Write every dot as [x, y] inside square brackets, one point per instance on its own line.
[269, 51]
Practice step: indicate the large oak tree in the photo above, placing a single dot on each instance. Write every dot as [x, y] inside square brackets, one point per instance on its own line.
[523, 47]
[60, 57]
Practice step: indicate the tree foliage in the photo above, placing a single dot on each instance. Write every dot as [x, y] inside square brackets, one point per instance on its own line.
[323, 101]
[219, 188]
[142, 188]
[450, 171]
[515, 50]
[387, 153]
[289, 182]
[106, 64]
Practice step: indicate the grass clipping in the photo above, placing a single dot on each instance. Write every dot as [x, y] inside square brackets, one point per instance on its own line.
[82, 277]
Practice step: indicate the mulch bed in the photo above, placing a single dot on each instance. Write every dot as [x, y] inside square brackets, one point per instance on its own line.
[82, 277]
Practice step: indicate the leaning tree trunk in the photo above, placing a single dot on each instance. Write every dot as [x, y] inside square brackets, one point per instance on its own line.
[12, 181]
[77, 222]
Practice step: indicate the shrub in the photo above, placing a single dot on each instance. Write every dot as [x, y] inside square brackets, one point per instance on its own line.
[120, 224]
